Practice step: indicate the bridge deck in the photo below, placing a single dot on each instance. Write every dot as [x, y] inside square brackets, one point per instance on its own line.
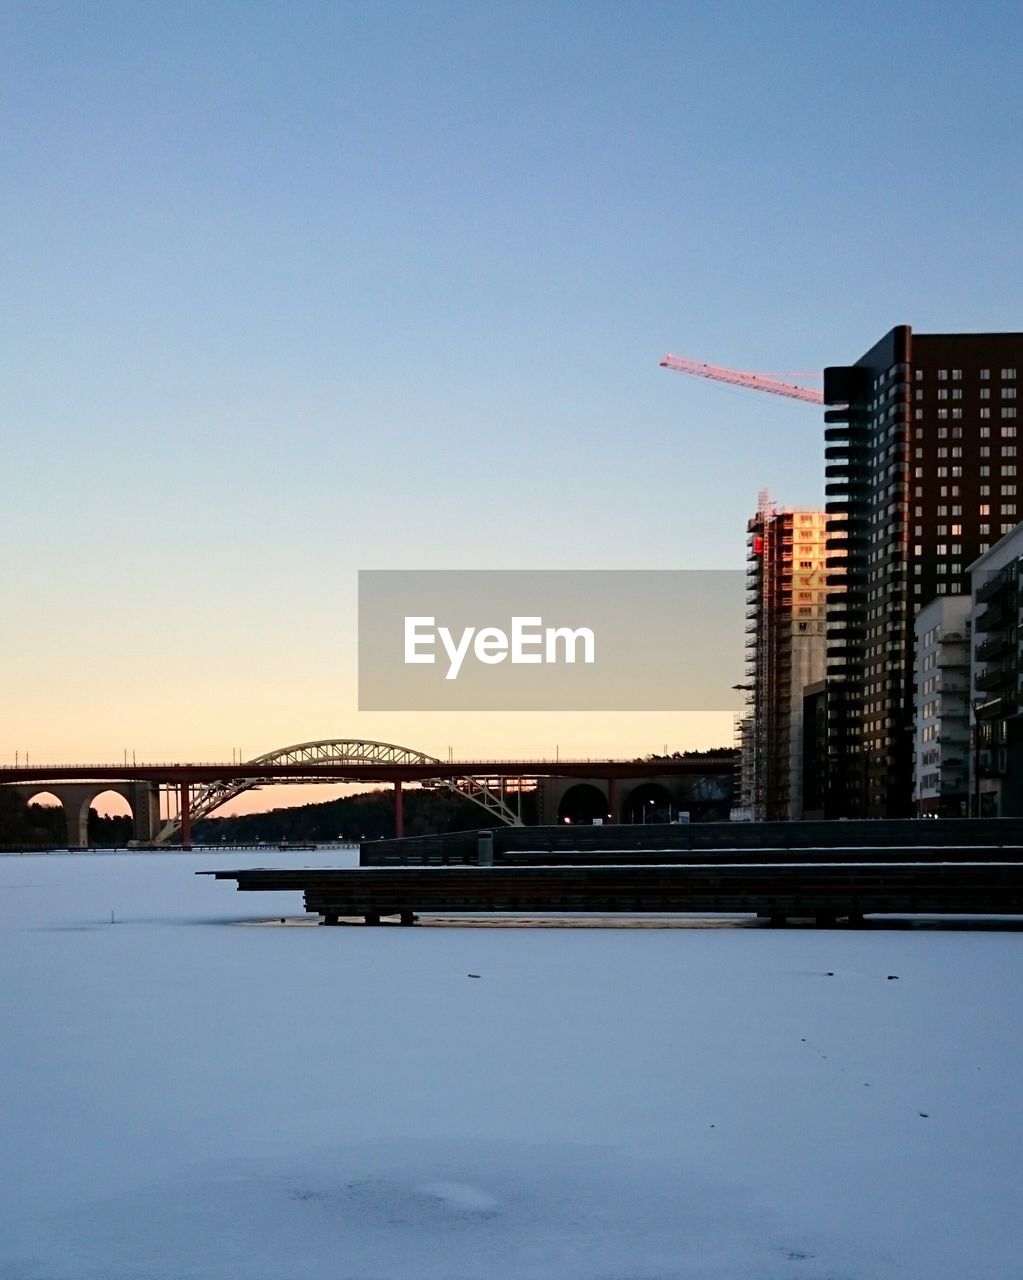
[825, 890]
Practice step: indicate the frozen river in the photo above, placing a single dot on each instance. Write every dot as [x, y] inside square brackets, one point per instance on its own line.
[186, 1094]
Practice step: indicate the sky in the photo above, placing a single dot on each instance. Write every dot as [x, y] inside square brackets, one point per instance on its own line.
[293, 291]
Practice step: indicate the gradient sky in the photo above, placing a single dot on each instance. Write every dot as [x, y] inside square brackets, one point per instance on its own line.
[293, 290]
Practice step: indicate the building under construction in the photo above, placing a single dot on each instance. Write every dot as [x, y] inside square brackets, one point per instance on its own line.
[785, 651]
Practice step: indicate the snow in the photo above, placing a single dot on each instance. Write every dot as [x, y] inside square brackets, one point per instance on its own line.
[184, 1095]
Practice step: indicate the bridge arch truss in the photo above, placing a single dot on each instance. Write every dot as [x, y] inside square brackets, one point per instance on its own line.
[486, 792]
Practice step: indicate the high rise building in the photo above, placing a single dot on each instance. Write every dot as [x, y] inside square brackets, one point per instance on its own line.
[921, 466]
[785, 592]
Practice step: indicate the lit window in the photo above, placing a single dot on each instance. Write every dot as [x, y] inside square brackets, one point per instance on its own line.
[943, 375]
[1008, 393]
[1008, 373]
[1009, 413]
[985, 413]
[985, 393]
[984, 509]
[985, 374]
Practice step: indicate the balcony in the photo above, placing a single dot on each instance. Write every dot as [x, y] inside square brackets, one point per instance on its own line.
[997, 676]
[1001, 584]
[996, 647]
[994, 618]
[995, 707]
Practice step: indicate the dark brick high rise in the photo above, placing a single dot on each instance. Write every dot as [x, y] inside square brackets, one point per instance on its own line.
[922, 463]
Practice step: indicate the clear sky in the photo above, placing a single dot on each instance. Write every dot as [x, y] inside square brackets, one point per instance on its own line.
[290, 290]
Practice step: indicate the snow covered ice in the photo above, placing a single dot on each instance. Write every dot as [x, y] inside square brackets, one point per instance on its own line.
[185, 1095]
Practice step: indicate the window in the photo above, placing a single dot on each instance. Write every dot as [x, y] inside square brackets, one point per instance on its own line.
[957, 531]
[1008, 393]
[985, 374]
[985, 490]
[984, 509]
[984, 413]
[985, 393]
[957, 375]
[1008, 413]
[1008, 491]
[943, 376]
[957, 393]
[1009, 470]
[1008, 432]
[1008, 508]
[943, 393]
[1006, 373]
[919, 375]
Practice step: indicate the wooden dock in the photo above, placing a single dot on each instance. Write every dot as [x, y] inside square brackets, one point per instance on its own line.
[824, 890]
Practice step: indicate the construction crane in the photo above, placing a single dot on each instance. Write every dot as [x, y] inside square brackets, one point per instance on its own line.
[754, 381]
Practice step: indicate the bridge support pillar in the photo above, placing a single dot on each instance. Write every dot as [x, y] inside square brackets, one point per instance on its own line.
[144, 799]
[186, 816]
[399, 812]
[612, 799]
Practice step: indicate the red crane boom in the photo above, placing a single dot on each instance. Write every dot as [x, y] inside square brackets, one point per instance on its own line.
[754, 381]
